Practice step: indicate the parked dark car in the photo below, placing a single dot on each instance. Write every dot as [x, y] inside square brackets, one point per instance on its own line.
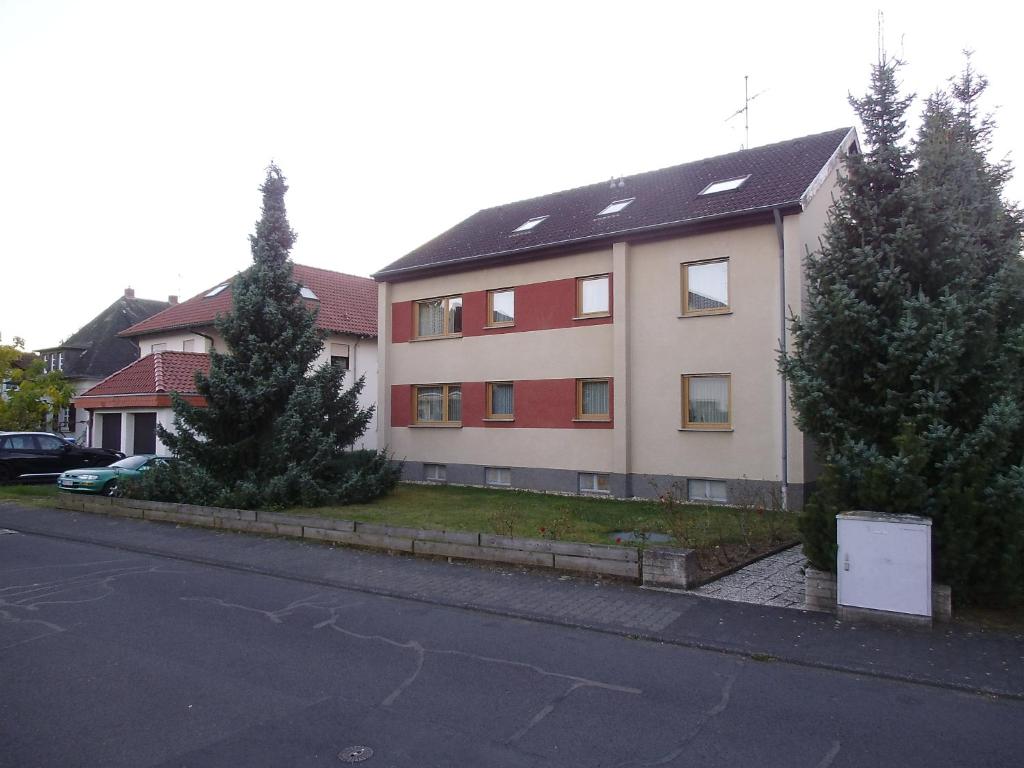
[28, 456]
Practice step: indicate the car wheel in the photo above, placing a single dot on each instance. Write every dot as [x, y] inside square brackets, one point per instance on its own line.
[110, 489]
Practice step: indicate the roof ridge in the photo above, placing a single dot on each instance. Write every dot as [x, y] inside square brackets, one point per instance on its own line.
[158, 372]
[707, 159]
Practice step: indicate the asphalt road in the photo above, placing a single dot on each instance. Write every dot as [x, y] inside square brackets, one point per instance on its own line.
[110, 658]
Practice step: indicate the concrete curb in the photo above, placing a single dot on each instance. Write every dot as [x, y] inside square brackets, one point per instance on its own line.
[655, 565]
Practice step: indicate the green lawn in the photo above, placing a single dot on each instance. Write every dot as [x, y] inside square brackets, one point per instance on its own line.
[29, 494]
[570, 518]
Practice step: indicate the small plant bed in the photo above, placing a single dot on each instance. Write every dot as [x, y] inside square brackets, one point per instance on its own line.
[724, 537]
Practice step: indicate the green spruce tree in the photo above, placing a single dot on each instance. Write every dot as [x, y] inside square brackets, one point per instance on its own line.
[274, 430]
[905, 368]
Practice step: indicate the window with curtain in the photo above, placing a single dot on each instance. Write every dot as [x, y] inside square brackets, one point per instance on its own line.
[501, 307]
[439, 317]
[499, 400]
[707, 402]
[706, 287]
[592, 296]
[592, 399]
[438, 404]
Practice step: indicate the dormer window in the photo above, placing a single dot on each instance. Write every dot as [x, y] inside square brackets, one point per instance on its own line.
[216, 290]
[307, 293]
[726, 185]
[529, 224]
[616, 206]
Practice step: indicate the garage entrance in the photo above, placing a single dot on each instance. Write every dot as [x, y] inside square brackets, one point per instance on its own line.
[144, 433]
[110, 435]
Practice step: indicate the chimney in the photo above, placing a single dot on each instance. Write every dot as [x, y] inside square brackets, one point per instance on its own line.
[129, 293]
[172, 300]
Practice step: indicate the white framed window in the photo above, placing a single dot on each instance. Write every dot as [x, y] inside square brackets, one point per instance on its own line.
[529, 224]
[213, 292]
[592, 296]
[594, 482]
[188, 345]
[705, 287]
[437, 473]
[160, 347]
[497, 476]
[706, 490]
[339, 356]
[725, 185]
[307, 293]
[60, 361]
[616, 206]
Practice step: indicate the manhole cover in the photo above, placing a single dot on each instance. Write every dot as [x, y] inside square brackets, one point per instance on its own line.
[355, 754]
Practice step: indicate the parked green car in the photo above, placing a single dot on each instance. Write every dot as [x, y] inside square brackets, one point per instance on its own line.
[104, 479]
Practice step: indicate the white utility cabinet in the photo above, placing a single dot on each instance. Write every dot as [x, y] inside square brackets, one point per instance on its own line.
[885, 562]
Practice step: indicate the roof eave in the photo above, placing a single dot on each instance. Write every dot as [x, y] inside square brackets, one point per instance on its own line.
[788, 206]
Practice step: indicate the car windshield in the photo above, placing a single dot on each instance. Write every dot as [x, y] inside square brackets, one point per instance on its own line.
[132, 462]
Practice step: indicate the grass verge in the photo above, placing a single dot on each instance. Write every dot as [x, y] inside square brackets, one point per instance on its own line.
[571, 518]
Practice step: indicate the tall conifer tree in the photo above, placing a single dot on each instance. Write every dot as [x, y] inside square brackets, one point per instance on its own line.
[274, 429]
[906, 366]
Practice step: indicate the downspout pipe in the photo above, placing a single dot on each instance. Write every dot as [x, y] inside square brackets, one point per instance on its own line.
[783, 412]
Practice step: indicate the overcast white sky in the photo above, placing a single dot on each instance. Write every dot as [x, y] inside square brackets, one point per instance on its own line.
[135, 134]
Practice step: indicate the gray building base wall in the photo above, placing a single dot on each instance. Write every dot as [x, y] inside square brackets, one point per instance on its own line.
[738, 491]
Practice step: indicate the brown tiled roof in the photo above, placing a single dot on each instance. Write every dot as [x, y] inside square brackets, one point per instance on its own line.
[670, 197]
[155, 373]
[348, 304]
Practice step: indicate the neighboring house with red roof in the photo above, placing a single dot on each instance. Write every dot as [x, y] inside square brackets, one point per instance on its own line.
[125, 408]
[618, 338]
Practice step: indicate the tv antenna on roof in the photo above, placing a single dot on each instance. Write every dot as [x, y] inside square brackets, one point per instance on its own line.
[745, 110]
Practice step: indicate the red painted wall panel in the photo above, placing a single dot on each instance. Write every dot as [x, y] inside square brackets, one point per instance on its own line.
[401, 405]
[539, 307]
[538, 404]
[401, 321]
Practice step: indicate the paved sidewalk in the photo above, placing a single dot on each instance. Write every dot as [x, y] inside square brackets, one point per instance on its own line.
[949, 656]
[776, 580]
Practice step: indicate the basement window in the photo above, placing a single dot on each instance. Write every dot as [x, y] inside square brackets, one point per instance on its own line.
[706, 490]
[529, 224]
[216, 290]
[726, 185]
[616, 206]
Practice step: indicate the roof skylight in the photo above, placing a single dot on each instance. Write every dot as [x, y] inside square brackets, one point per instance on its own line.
[616, 206]
[726, 185]
[307, 293]
[529, 224]
[217, 290]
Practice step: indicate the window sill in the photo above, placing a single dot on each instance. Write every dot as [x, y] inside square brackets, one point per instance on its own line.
[498, 420]
[706, 429]
[594, 316]
[438, 425]
[687, 315]
[593, 421]
[499, 325]
[437, 338]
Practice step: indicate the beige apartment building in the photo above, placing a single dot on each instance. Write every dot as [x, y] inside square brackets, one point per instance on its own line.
[618, 339]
